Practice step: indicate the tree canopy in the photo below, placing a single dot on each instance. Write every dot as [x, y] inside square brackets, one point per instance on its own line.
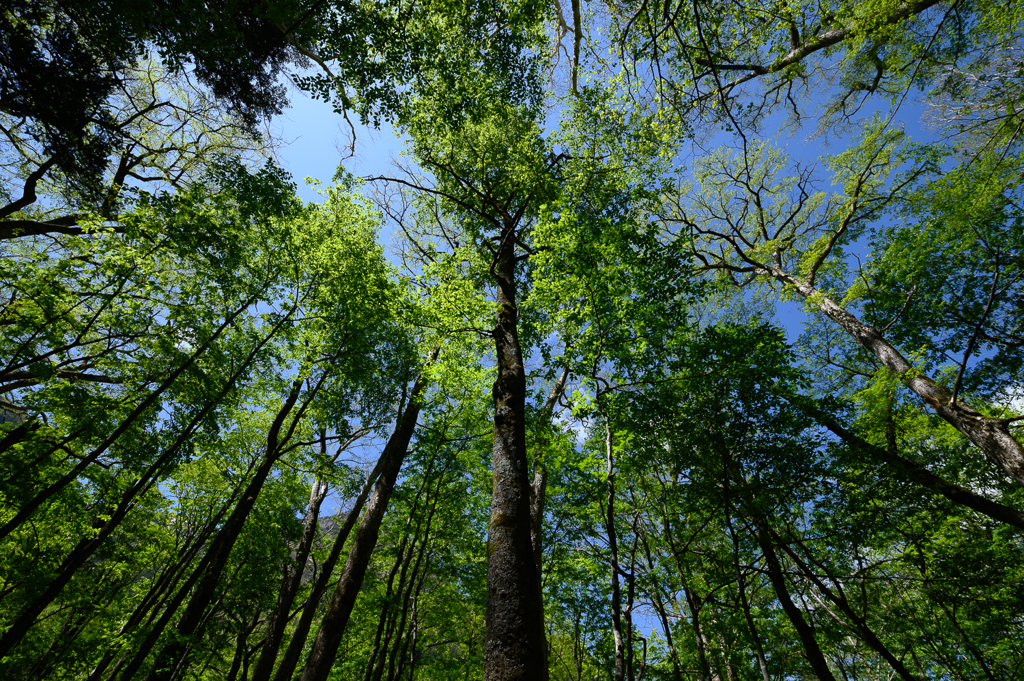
[685, 343]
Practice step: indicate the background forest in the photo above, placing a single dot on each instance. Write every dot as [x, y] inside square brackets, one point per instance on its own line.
[692, 348]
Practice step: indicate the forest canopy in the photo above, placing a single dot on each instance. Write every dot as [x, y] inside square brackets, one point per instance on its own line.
[684, 342]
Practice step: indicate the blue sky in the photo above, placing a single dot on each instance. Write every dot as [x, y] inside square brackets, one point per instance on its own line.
[316, 139]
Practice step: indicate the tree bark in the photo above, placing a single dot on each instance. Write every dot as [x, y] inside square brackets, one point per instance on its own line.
[992, 435]
[514, 643]
[332, 626]
[814, 655]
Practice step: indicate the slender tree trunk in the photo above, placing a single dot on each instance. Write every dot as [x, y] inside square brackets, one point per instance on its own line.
[659, 608]
[149, 401]
[913, 471]
[335, 619]
[814, 655]
[87, 546]
[172, 657]
[692, 602]
[841, 602]
[164, 585]
[414, 579]
[694, 605]
[538, 491]
[538, 488]
[290, 585]
[514, 643]
[290, 660]
[992, 435]
[630, 601]
[741, 585]
[613, 548]
[389, 613]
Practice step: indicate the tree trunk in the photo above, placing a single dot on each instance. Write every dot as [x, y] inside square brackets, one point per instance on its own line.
[389, 613]
[298, 639]
[538, 488]
[163, 587]
[814, 655]
[290, 586]
[538, 491]
[911, 470]
[514, 643]
[659, 608]
[613, 548]
[992, 435]
[692, 602]
[173, 655]
[332, 626]
[840, 600]
[741, 586]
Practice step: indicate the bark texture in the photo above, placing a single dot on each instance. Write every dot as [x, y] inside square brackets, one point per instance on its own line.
[328, 638]
[992, 435]
[514, 643]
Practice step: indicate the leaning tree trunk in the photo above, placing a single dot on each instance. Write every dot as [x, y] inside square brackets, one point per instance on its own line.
[335, 619]
[514, 645]
[290, 585]
[992, 435]
[298, 641]
[173, 655]
[840, 600]
[803, 629]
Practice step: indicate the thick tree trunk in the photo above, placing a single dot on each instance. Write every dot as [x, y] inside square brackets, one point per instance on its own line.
[335, 619]
[992, 435]
[514, 643]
